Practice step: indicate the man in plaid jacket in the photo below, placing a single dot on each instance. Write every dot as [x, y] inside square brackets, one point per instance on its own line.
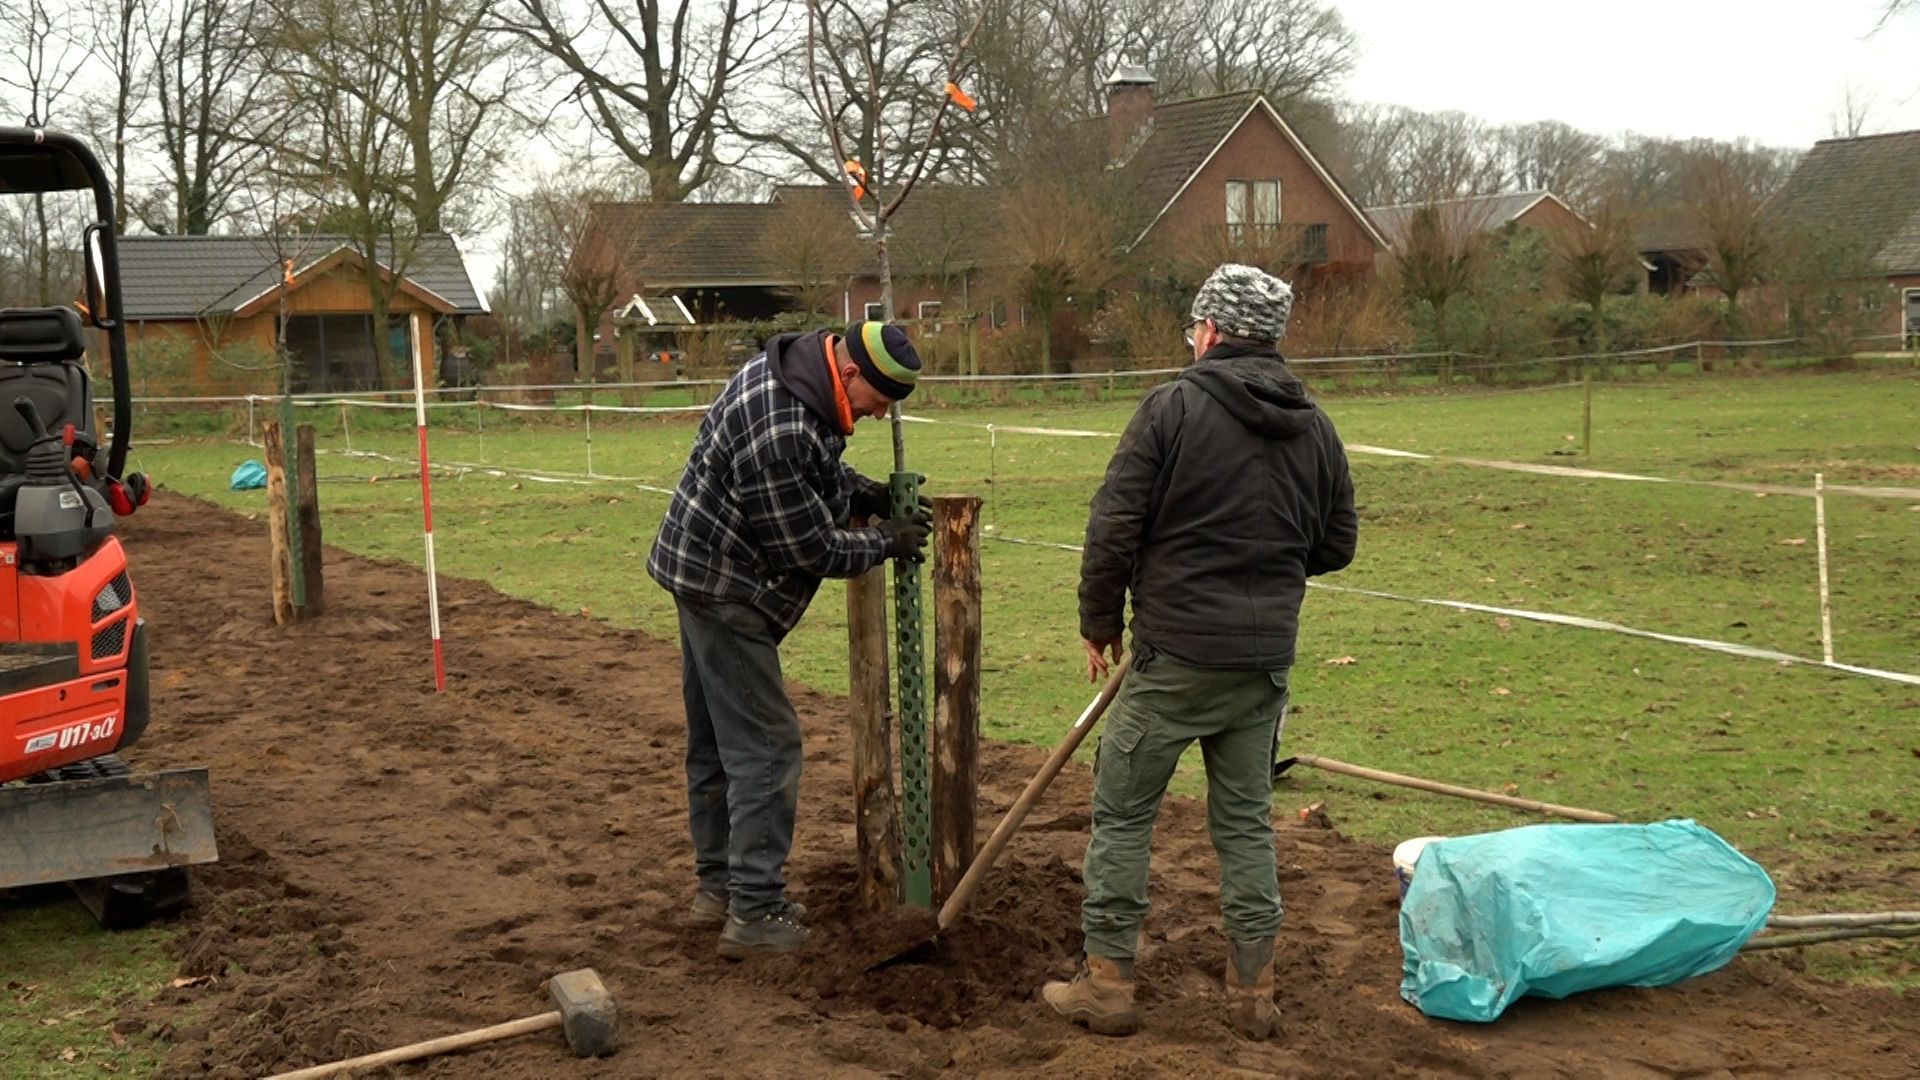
[760, 516]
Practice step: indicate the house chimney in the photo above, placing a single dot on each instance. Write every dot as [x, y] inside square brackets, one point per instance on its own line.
[1129, 108]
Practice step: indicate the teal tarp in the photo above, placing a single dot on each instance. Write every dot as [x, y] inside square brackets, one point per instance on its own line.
[250, 476]
[1552, 910]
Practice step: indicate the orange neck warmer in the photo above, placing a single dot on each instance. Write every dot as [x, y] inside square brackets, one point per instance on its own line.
[842, 405]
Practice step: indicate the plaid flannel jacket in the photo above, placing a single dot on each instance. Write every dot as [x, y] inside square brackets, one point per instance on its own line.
[758, 515]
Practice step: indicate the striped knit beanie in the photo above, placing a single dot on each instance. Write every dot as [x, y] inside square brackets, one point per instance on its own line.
[885, 357]
[1246, 302]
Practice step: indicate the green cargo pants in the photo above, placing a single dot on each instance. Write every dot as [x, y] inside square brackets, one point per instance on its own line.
[1162, 707]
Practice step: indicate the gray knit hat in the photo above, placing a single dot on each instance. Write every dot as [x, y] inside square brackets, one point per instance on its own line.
[1245, 301]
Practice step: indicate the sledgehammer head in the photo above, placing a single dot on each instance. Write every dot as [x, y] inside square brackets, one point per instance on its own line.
[587, 1014]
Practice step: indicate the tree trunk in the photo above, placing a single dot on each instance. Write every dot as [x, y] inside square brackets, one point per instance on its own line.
[582, 345]
[956, 688]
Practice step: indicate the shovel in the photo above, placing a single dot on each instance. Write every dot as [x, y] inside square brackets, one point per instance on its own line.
[990, 851]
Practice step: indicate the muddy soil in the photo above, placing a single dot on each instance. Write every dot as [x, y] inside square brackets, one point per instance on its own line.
[399, 865]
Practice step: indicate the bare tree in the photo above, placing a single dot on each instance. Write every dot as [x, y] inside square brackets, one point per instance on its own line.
[1725, 187]
[1287, 49]
[1853, 115]
[578, 257]
[212, 69]
[1439, 262]
[1059, 239]
[653, 76]
[455, 79]
[1596, 261]
[44, 55]
[1551, 156]
[883, 60]
[117, 42]
[811, 243]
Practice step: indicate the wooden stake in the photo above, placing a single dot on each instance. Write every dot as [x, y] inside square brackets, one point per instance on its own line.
[876, 809]
[307, 512]
[1820, 533]
[277, 532]
[1878, 918]
[1439, 788]
[1815, 937]
[956, 687]
[1586, 413]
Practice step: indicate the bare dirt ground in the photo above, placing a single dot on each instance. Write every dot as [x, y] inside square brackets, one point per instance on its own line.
[399, 865]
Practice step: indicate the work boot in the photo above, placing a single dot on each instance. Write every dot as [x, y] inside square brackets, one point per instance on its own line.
[1100, 996]
[1250, 1007]
[709, 911]
[778, 931]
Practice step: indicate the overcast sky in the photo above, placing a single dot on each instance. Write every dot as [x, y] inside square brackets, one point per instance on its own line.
[1770, 70]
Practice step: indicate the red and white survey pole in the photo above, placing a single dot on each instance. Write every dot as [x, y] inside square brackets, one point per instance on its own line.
[426, 506]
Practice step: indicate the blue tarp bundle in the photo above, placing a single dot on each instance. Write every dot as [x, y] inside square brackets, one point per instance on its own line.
[1552, 910]
[250, 476]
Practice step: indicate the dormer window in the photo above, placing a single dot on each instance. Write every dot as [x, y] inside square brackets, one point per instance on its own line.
[1253, 209]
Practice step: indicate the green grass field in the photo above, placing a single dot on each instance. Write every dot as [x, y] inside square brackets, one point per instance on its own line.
[1790, 763]
[1785, 760]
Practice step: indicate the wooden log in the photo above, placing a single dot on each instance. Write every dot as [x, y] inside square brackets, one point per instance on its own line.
[956, 688]
[277, 532]
[876, 807]
[307, 512]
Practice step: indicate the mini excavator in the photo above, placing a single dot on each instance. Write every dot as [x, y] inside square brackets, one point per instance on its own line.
[73, 648]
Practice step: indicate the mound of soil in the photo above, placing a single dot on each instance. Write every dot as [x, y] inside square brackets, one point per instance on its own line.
[399, 864]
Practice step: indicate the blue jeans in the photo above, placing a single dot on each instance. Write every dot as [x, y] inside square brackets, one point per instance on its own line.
[743, 754]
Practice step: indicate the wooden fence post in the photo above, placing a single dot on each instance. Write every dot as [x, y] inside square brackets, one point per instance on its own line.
[956, 687]
[307, 506]
[876, 809]
[278, 533]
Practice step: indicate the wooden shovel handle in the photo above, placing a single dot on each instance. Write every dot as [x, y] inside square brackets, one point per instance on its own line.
[1010, 824]
[415, 1051]
[1438, 788]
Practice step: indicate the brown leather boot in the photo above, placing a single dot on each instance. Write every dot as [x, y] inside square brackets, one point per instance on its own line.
[1100, 996]
[1250, 1007]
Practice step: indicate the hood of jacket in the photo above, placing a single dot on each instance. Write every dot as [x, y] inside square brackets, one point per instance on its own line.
[799, 363]
[1255, 386]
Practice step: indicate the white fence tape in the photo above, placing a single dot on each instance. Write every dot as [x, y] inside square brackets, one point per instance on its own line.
[1580, 622]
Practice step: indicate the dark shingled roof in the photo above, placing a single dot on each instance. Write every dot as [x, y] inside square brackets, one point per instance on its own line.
[184, 277]
[1867, 188]
[1181, 134]
[1469, 215]
[683, 245]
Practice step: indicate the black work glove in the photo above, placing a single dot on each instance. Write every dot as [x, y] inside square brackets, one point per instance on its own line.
[878, 503]
[907, 538]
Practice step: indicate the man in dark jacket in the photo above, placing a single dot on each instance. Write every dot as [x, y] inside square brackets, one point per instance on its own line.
[760, 516]
[1229, 490]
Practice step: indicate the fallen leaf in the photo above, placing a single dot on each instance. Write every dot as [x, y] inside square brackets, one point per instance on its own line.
[1503, 623]
[1511, 789]
[69, 1054]
[586, 613]
[191, 981]
[50, 1022]
[1501, 691]
[1796, 541]
[1343, 661]
[1519, 525]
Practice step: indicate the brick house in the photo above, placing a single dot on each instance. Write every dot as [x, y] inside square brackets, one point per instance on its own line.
[1861, 198]
[204, 311]
[1216, 174]
[1206, 181]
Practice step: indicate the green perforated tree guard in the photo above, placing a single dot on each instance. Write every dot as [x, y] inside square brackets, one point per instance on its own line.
[911, 663]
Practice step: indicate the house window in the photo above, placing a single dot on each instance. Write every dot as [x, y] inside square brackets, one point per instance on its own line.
[1253, 209]
[875, 311]
[997, 314]
[929, 312]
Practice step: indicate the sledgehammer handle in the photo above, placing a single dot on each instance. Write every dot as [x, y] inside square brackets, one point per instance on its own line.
[1003, 832]
[429, 1048]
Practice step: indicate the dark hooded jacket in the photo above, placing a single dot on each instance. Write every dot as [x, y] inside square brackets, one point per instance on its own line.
[1229, 490]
